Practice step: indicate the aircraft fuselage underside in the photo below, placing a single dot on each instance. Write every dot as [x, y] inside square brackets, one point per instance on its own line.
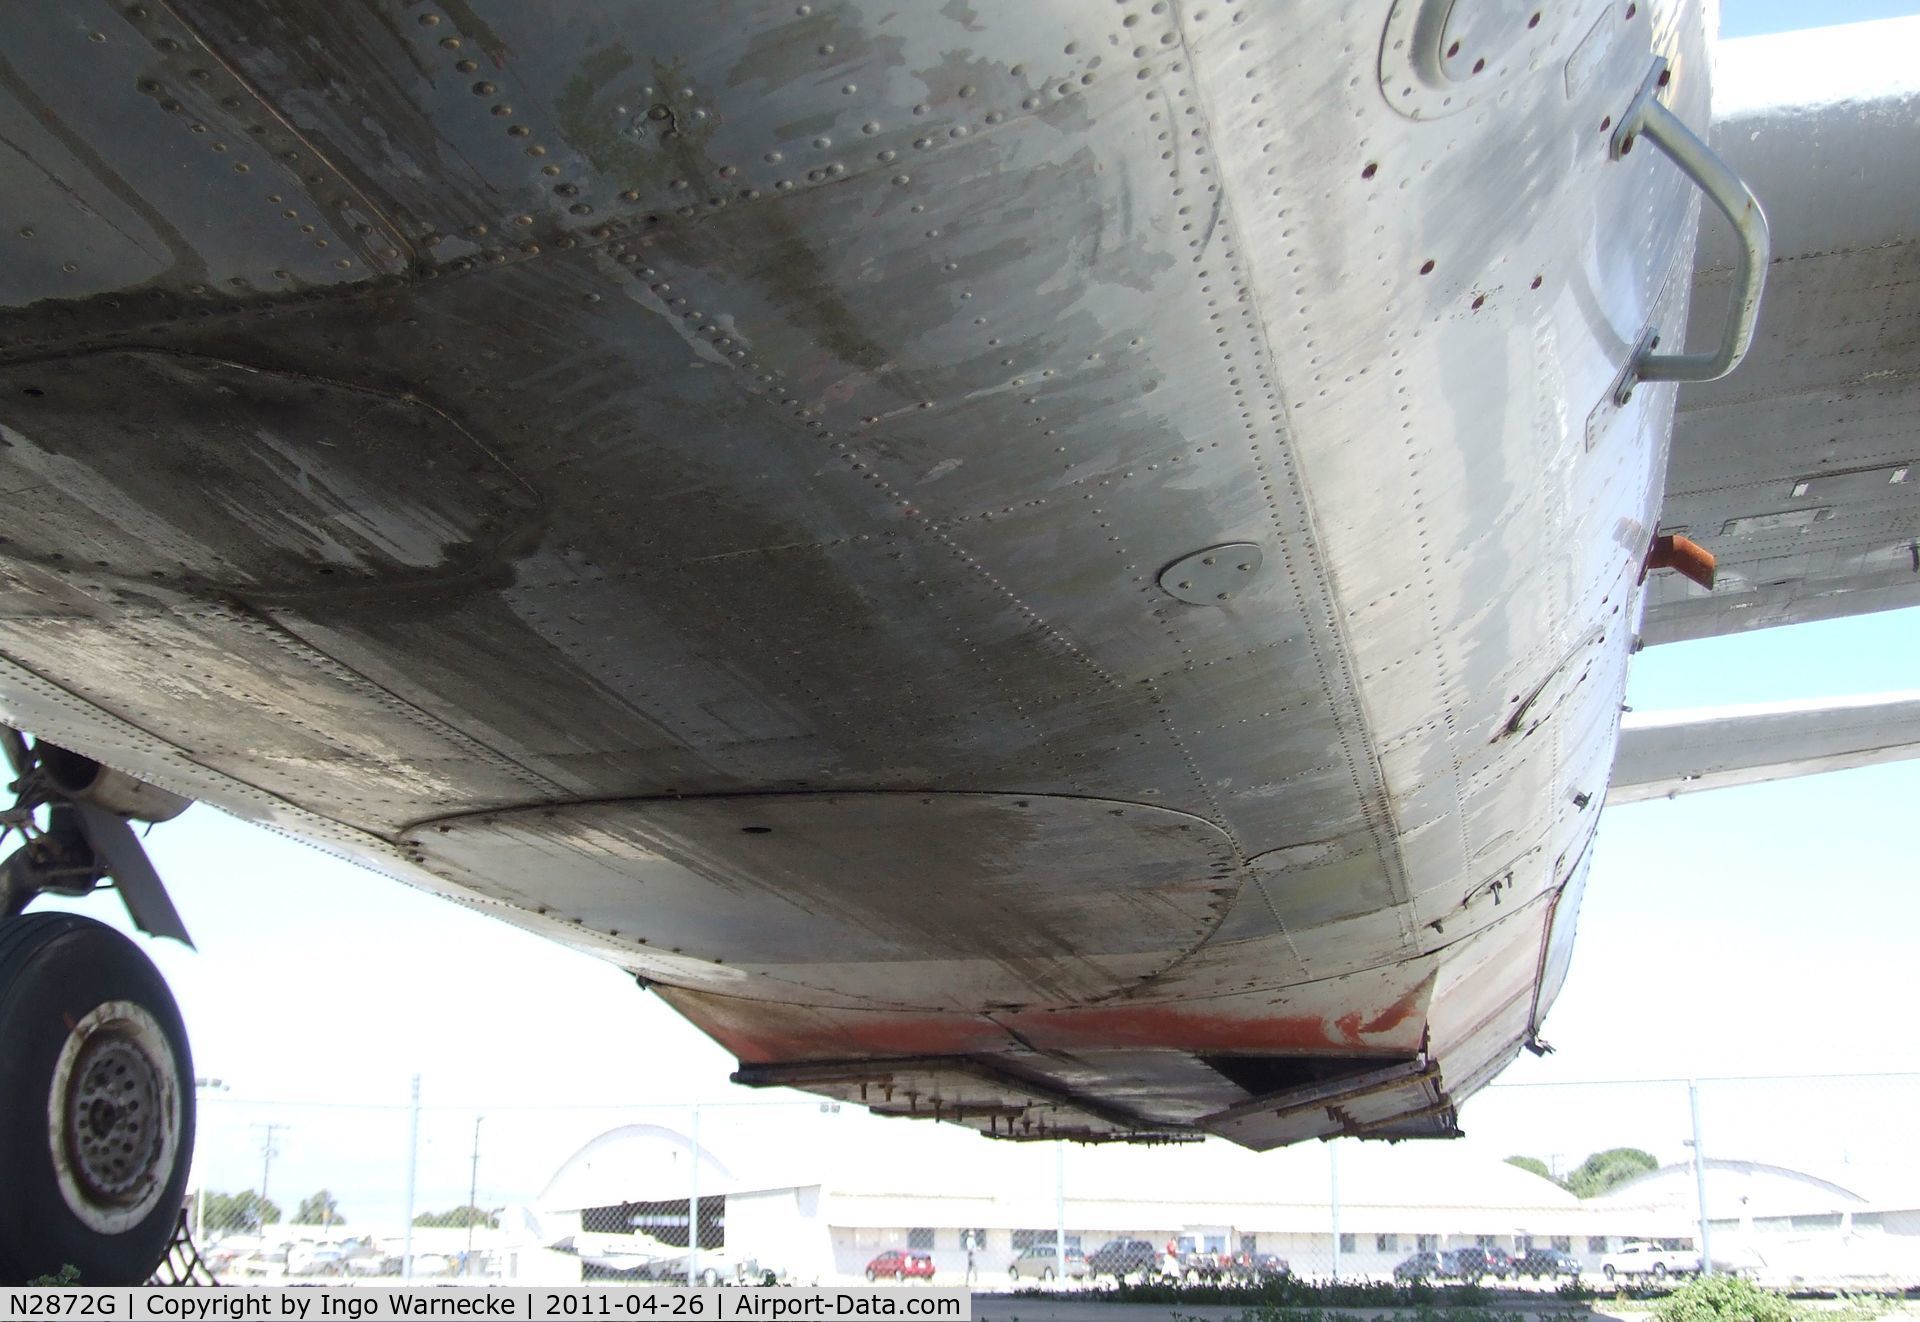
[1061, 565]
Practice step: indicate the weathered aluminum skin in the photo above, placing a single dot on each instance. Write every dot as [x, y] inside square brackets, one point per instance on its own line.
[1799, 471]
[697, 479]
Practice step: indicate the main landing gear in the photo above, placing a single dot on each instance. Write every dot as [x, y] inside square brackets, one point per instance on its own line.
[96, 1080]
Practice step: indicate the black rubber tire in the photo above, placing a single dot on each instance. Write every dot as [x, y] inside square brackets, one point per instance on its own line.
[55, 969]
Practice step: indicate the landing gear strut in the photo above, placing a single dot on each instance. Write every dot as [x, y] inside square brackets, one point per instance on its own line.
[96, 1080]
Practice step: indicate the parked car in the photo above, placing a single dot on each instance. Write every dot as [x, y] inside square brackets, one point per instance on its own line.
[1546, 1264]
[1197, 1266]
[751, 1271]
[901, 1265]
[368, 1260]
[309, 1259]
[1122, 1257]
[1469, 1263]
[261, 1262]
[1264, 1266]
[1040, 1263]
[1417, 1267]
[1639, 1258]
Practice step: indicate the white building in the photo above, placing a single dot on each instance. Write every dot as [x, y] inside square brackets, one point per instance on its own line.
[1785, 1225]
[820, 1207]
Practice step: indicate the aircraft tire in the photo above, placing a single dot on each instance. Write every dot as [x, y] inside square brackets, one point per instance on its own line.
[96, 1103]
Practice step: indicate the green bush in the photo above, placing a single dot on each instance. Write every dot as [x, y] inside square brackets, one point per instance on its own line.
[1290, 1292]
[1725, 1299]
[1860, 1306]
[1574, 1292]
[1422, 1313]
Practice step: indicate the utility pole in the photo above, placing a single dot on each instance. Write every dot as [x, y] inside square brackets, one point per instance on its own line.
[202, 1084]
[267, 1153]
[473, 1193]
[1700, 1181]
[1060, 1211]
[1333, 1199]
[413, 1170]
[693, 1207]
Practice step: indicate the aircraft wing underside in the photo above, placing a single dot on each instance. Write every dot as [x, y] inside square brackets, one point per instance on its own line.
[1666, 754]
[1061, 565]
[1801, 472]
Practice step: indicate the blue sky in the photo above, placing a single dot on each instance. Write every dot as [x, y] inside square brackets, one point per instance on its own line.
[1752, 18]
[1766, 930]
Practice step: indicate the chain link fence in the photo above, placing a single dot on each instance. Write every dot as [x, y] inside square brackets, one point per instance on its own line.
[1808, 1182]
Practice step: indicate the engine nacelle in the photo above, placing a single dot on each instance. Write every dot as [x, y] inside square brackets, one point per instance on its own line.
[86, 781]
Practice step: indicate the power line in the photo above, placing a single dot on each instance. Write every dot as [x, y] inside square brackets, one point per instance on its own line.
[1711, 1078]
[810, 1101]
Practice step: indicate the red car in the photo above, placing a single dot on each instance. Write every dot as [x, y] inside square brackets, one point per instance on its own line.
[901, 1265]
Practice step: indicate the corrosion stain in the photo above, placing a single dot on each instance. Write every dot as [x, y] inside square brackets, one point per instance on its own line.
[1180, 1028]
[767, 1033]
[1402, 1009]
[672, 145]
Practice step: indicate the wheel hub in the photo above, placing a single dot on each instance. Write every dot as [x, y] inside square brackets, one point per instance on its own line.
[110, 1133]
[113, 1115]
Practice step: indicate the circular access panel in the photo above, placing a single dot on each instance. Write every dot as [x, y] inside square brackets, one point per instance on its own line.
[1214, 576]
[1438, 57]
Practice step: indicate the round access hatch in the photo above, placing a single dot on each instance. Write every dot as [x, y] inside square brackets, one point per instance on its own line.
[1214, 576]
[1438, 57]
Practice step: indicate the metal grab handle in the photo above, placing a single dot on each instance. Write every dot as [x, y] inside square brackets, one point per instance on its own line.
[1647, 118]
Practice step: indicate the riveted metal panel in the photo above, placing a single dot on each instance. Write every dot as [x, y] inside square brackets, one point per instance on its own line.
[996, 900]
[1830, 387]
[842, 381]
[301, 485]
[143, 164]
